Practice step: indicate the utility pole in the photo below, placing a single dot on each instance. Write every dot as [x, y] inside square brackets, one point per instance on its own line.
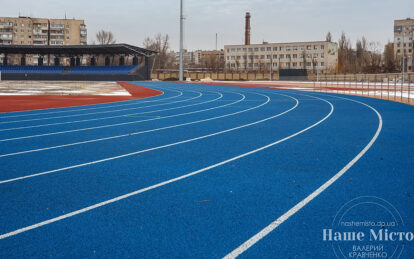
[181, 76]
[216, 41]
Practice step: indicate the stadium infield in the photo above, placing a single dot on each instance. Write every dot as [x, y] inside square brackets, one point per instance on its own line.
[67, 98]
[204, 171]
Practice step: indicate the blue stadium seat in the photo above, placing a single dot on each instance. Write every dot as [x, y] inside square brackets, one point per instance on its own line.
[101, 70]
[32, 69]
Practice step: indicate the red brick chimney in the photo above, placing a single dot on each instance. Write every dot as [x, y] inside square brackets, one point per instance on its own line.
[247, 31]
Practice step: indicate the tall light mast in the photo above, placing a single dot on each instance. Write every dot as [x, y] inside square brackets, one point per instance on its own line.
[181, 76]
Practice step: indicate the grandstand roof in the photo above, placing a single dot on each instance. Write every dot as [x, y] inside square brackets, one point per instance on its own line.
[111, 49]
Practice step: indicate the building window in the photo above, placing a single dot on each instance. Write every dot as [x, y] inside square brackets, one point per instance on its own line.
[275, 49]
[287, 48]
[262, 57]
[308, 47]
[274, 64]
[315, 55]
[322, 55]
[256, 49]
[269, 49]
[322, 64]
[281, 56]
[295, 56]
[281, 48]
[274, 56]
[262, 49]
[315, 47]
[269, 56]
[322, 47]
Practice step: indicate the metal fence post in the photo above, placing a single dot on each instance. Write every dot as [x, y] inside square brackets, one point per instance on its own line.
[409, 88]
[402, 87]
[382, 80]
[388, 89]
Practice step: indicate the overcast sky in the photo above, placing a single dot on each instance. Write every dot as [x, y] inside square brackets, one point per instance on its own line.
[272, 20]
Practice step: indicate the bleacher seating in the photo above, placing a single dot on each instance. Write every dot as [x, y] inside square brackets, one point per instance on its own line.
[101, 70]
[32, 69]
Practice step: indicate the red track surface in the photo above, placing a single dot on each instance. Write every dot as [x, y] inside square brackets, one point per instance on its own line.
[12, 103]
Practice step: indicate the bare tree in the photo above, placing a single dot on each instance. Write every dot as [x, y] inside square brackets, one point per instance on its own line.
[105, 37]
[329, 37]
[161, 45]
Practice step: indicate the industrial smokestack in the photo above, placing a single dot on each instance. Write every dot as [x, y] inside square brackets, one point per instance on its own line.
[247, 31]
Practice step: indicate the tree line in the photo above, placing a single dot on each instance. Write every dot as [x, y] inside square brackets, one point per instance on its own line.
[365, 57]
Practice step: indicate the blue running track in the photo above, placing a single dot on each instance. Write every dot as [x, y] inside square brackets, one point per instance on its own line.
[199, 171]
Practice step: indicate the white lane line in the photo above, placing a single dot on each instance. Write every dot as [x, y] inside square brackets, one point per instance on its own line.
[118, 124]
[168, 145]
[125, 196]
[124, 135]
[142, 151]
[40, 224]
[101, 106]
[110, 117]
[102, 112]
[272, 226]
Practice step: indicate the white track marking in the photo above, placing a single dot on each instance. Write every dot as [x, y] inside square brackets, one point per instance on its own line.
[104, 106]
[120, 124]
[111, 117]
[102, 112]
[164, 146]
[125, 196]
[272, 226]
[123, 135]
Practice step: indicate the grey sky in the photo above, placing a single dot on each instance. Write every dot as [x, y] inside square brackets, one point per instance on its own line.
[272, 20]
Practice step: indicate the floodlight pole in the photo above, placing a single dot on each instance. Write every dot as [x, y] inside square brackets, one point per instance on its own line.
[181, 76]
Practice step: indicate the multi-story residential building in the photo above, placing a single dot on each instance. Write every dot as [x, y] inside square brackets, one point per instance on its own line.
[200, 56]
[404, 42]
[188, 58]
[317, 56]
[41, 31]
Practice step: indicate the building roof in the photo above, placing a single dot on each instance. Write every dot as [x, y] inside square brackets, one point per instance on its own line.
[111, 49]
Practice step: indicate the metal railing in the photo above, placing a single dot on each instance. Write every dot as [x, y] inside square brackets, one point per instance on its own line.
[382, 86]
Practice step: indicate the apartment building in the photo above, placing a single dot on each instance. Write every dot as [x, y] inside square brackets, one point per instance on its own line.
[40, 31]
[188, 58]
[317, 56]
[200, 56]
[404, 42]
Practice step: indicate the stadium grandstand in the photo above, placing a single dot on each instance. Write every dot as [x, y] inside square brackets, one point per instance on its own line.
[114, 62]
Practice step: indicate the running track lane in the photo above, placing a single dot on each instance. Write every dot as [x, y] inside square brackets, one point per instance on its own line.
[211, 213]
[12, 103]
